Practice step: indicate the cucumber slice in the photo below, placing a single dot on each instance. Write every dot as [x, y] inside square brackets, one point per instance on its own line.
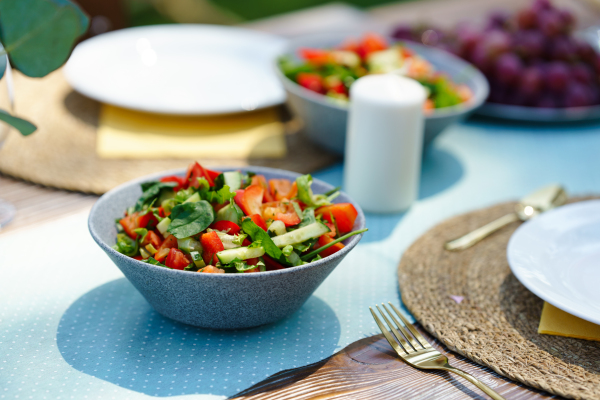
[241, 253]
[163, 225]
[278, 228]
[198, 261]
[189, 244]
[300, 235]
[193, 198]
[233, 179]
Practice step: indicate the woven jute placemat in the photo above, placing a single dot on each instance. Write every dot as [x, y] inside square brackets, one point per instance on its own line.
[62, 153]
[496, 323]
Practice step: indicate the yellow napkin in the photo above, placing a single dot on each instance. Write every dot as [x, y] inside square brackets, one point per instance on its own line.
[557, 322]
[131, 134]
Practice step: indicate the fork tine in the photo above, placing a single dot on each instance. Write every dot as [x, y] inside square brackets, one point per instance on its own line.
[415, 333]
[407, 347]
[399, 350]
[414, 343]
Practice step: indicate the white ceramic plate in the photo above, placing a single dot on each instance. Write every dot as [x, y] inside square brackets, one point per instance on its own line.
[179, 69]
[557, 257]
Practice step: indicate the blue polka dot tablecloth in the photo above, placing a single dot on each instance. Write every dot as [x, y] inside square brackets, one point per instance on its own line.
[72, 327]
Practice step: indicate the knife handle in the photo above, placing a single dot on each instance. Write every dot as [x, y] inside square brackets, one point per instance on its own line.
[468, 240]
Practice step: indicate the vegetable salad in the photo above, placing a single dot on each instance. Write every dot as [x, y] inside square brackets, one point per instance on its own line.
[331, 72]
[233, 222]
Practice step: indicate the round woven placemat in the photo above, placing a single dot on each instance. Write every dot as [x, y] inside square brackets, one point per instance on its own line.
[62, 153]
[496, 323]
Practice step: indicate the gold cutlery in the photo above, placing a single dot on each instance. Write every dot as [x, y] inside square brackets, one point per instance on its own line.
[530, 206]
[417, 352]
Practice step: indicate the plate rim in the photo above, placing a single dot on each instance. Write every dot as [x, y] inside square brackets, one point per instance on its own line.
[569, 308]
[68, 69]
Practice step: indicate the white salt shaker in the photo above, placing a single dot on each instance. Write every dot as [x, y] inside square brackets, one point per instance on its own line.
[384, 142]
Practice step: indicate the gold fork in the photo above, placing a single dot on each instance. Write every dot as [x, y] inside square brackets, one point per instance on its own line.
[417, 352]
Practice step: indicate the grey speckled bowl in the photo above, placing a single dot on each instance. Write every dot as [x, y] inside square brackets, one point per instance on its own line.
[325, 120]
[217, 301]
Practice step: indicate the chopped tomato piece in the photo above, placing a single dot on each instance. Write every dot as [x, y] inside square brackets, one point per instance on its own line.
[250, 199]
[371, 43]
[162, 254]
[323, 240]
[152, 238]
[315, 56]
[282, 189]
[129, 224]
[344, 213]
[226, 226]
[258, 220]
[261, 181]
[252, 261]
[177, 260]
[134, 221]
[311, 81]
[161, 212]
[331, 228]
[169, 242]
[270, 264]
[212, 174]
[180, 180]
[194, 172]
[209, 269]
[138, 258]
[282, 211]
[211, 245]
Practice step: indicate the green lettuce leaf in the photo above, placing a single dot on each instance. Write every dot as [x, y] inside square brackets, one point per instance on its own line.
[305, 193]
[151, 191]
[190, 218]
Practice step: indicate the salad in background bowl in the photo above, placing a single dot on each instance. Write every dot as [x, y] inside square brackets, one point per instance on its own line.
[226, 249]
[318, 70]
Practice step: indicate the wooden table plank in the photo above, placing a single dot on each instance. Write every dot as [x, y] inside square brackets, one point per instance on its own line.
[36, 204]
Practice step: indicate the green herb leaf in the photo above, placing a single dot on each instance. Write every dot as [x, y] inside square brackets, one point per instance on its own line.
[126, 245]
[328, 245]
[258, 234]
[305, 193]
[151, 191]
[190, 218]
[38, 34]
[152, 261]
[308, 217]
[23, 126]
[220, 196]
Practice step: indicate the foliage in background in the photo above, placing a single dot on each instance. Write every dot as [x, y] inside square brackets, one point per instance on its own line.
[37, 36]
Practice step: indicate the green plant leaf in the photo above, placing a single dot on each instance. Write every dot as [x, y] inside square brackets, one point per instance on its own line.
[38, 35]
[23, 126]
[151, 191]
[3, 61]
[188, 219]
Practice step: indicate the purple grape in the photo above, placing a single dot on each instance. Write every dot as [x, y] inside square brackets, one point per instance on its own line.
[550, 23]
[496, 42]
[481, 57]
[562, 48]
[582, 73]
[540, 5]
[508, 67]
[578, 96]
[585, 51]
[498, 20]
[529, 44]
[430, 37]
[568, 20]
[531, 80]
[402, 32]
[467, 37]
[527, 18]
[557, 76]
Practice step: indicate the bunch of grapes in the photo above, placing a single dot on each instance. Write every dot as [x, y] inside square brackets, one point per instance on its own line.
[530, 58]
